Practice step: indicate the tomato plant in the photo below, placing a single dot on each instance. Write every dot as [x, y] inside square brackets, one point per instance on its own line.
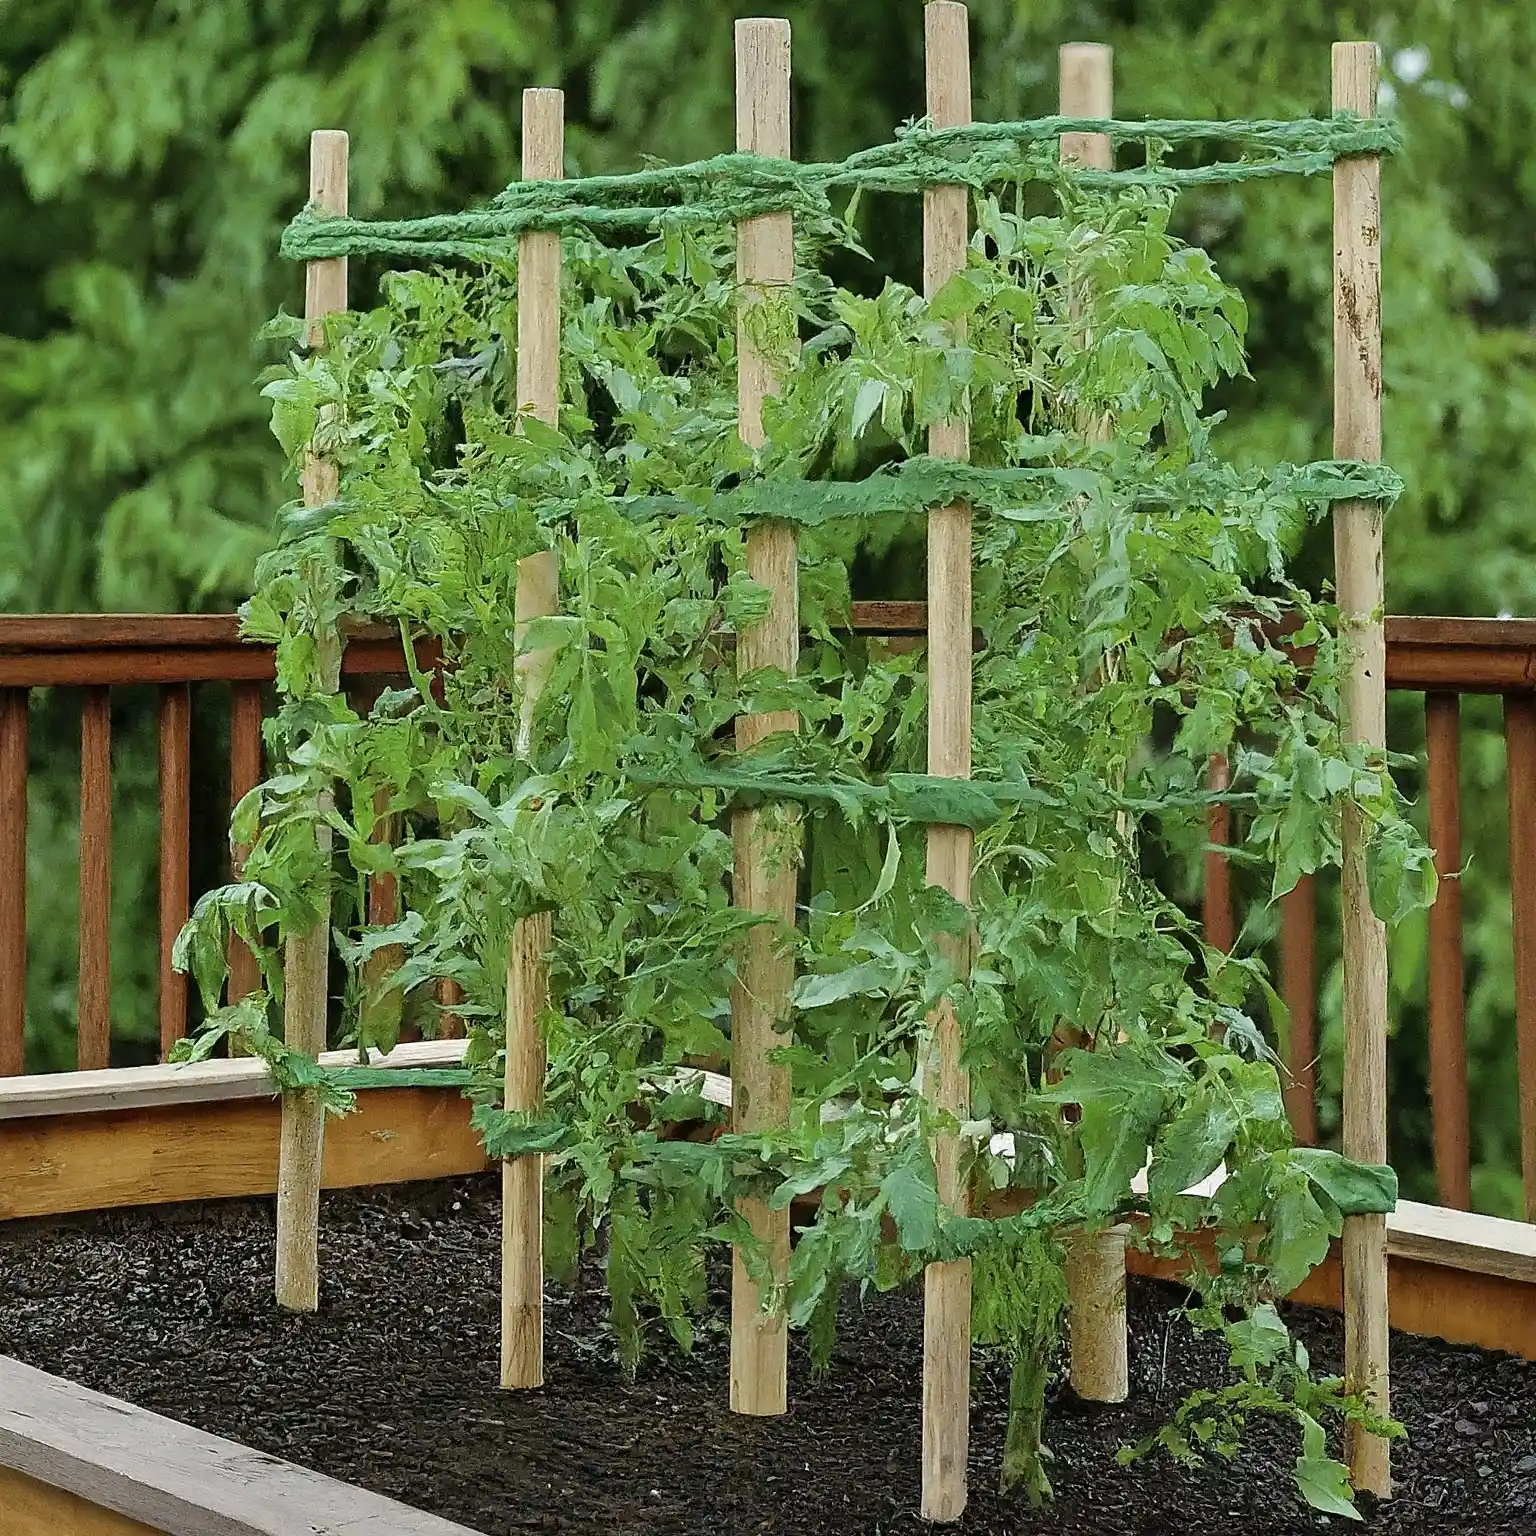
[1130, 591]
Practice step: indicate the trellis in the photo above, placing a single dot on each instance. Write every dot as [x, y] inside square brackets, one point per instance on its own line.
[759, 184]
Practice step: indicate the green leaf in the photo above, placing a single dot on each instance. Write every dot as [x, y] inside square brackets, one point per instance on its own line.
[911, 1192]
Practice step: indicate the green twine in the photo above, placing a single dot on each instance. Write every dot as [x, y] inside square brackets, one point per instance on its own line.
[1027, 494]
[728, 188]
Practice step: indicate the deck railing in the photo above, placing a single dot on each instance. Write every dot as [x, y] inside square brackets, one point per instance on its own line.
[1442, 658]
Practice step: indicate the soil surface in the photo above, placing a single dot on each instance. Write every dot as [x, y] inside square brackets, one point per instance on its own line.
[393, 1386]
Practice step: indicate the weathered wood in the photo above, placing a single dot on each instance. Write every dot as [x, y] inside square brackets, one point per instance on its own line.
[33, 1508]
[245, 773]
[1520, 739]
[306, 956]
[1358, 576]
[1298, 990]
[175, 853]
[766, 842]
[1217, 917]
[947, 1286]
[1098, 1328]
[56, 1164]
[173, 1478]
[93, 1043]
[538, 393]
[1447, 1005]
[13, 880]
[219, 1080]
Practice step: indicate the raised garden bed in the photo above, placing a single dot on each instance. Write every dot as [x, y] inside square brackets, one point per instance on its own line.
[392, 1386]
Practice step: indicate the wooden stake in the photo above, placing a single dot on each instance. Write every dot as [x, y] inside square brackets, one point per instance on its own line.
[1358, 571]
[306, 956]
[766, 842]
[947, 1286]
[1097, 1328]
[1447, 997]
[538, 392]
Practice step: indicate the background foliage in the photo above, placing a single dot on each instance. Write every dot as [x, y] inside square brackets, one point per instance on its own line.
[150, 153]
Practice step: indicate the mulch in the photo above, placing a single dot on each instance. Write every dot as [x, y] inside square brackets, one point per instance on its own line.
[393, 1385]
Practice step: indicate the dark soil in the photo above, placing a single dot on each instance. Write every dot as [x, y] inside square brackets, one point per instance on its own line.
[393, 1385]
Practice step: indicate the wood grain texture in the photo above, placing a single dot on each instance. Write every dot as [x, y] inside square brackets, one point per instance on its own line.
[1086, 74]
[217, 1080]
[1096, 1320]
[306, 956]
[1520, 740]
[947, 1287]
[172, 1478]
[766, 842]
[1358, 577]
[245, 773]
[522, 1178]
[1298, 989]
[175, 853]
[1099, 1334]
[217, 1151]
[1447, 1003]
[13, 879]
[94, 1038]
[33, 1508]
[538, 595]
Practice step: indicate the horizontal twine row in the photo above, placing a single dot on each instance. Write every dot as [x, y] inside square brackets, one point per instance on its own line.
[728, 188]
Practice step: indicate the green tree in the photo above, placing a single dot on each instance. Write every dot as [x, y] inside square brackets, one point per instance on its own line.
[151, 150]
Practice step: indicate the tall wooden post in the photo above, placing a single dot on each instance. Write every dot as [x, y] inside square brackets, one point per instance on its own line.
[1358, 571]
[538, 392]
[766, 842]
[947, 1286]
[306, 956]
[1097, 1327]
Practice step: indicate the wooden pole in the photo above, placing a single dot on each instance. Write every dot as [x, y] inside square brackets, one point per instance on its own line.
[1298, 987]
[1097, 1328]
[93, 1040]
[13, 880]
[1447, 999]
[947, 1286]
[1217, 916]
[306, 956]
[538, 393]
[766, 841]
[175, 853]
[1520, 739]
[1358, 576]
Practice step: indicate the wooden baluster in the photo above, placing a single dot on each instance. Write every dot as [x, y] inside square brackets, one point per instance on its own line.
[1217, 916]
[450, 1025]
[175, 853]
[1298, 987]
[1447, 1015]
[766, 841]
[94, 1038]
[1520, 737]
[1362, 691]
[13, 880]
[947, 1286]
[245, 772]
